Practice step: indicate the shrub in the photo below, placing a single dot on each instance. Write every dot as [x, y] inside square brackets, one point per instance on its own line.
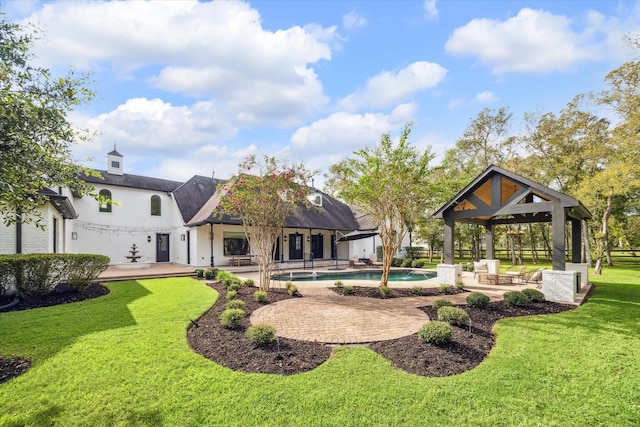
[417, 263]
[84, 269]
[533, 295]
[478, 300]
[453, 315]
[444, 288]
[261, 333]
[441, 303]
[231, 317]
[407, 262]
[235, 303]
[292, 289]
[416, 290]
[231, 295]
[209, 275]
[223, 274]
[459, 285]
[515, 298]
[396, 262]
[385, 291]
[436, 332]
[288, 284]
[347, 290]
[248, 282]
[338, 284]
[199, 272]
[234, 285]
[261, 296]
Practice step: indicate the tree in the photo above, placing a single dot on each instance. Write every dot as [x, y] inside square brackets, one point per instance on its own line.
[389, 182]
[35, 136]
[263, 195]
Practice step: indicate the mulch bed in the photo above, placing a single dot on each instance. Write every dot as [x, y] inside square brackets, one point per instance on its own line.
[374, 292]
[233, 349]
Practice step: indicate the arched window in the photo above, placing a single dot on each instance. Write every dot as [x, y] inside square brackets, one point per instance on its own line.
[156, 206]
[104, 205]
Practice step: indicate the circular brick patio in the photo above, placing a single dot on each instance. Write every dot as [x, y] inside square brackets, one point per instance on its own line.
[338, 319]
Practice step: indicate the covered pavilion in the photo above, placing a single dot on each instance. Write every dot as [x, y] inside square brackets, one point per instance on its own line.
[498, 196]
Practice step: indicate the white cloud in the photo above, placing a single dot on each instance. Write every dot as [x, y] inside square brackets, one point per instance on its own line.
[486, 97]
[389, 88]
[342, 132]
[352, 21]
[531, 41]
[430, 10]
[215, 50]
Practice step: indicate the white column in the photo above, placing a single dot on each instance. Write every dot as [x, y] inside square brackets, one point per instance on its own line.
[449, 273]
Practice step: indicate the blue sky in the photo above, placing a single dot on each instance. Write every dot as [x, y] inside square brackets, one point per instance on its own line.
[187, 87]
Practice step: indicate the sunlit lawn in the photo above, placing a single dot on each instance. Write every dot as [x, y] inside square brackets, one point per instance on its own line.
[123, 359]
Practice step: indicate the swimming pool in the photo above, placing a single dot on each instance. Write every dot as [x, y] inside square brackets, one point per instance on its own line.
[394, 275]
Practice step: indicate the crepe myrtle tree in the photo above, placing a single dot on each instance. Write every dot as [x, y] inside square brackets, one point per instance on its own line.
[390, 183]
[35, 133]
[263, 194]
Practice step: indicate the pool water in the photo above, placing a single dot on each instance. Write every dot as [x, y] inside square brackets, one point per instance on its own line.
[394, 275]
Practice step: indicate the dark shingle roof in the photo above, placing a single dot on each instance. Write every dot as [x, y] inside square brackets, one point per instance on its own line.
[193, 194]
[133, 181]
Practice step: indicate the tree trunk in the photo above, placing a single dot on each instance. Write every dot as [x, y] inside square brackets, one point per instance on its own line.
[605, 231]
[545, 241]
[598, 268]
[586, 254]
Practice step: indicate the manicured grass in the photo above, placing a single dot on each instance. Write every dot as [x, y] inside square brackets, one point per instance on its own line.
[123, 360]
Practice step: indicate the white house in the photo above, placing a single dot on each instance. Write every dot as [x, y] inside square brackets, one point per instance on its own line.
[171, 221]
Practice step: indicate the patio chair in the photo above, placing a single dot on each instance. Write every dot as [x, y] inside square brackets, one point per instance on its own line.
[516, 272]
[480, 267]
[373, 261]
[533, 276]
[355, 262]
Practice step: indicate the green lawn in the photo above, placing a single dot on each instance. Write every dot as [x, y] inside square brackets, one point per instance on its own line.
[123, 359]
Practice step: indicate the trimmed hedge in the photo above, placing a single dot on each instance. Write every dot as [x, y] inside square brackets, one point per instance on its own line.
[533, 295]
[261, 333]
[231, 317]
[453, 315]
[33, 275]
[515, 298]
[436, 332]
[441, 302]
[478, 300]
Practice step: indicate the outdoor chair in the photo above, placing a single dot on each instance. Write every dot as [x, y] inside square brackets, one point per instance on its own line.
[533, 276]
[516, 272]
[356, 263]
[373, 261]
[480, 267]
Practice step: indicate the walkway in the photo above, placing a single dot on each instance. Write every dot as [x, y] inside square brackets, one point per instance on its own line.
[327, 317]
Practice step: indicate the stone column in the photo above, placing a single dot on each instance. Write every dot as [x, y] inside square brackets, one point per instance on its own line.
[449, 273]
[560, 286]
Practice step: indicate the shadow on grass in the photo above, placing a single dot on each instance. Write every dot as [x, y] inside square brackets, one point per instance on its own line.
[42, 332]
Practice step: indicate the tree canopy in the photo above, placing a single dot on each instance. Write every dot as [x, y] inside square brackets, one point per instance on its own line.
[35, 134]
[389, 182]
[263, 194]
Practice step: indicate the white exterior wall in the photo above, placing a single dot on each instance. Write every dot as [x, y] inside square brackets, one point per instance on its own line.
[113, 233]
[366, 247]
[35, 240]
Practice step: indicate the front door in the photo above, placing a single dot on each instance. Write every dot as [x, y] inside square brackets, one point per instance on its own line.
[162, 248]
[295, 246]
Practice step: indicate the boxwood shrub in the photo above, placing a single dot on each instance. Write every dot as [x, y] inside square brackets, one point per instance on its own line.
[417, 263]
[231, 317]
[478, 300]
[515, 298]
[441, 302]
[385, 291]
[453, 315]
[261, 296]
[235, 303]
[231, 295]
[261, 333]
[436, 332]
[533, 295]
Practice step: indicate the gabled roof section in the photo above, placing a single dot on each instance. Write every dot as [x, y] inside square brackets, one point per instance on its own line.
[194, 194]
[133, 181]
[332, 215]
[503, 196]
